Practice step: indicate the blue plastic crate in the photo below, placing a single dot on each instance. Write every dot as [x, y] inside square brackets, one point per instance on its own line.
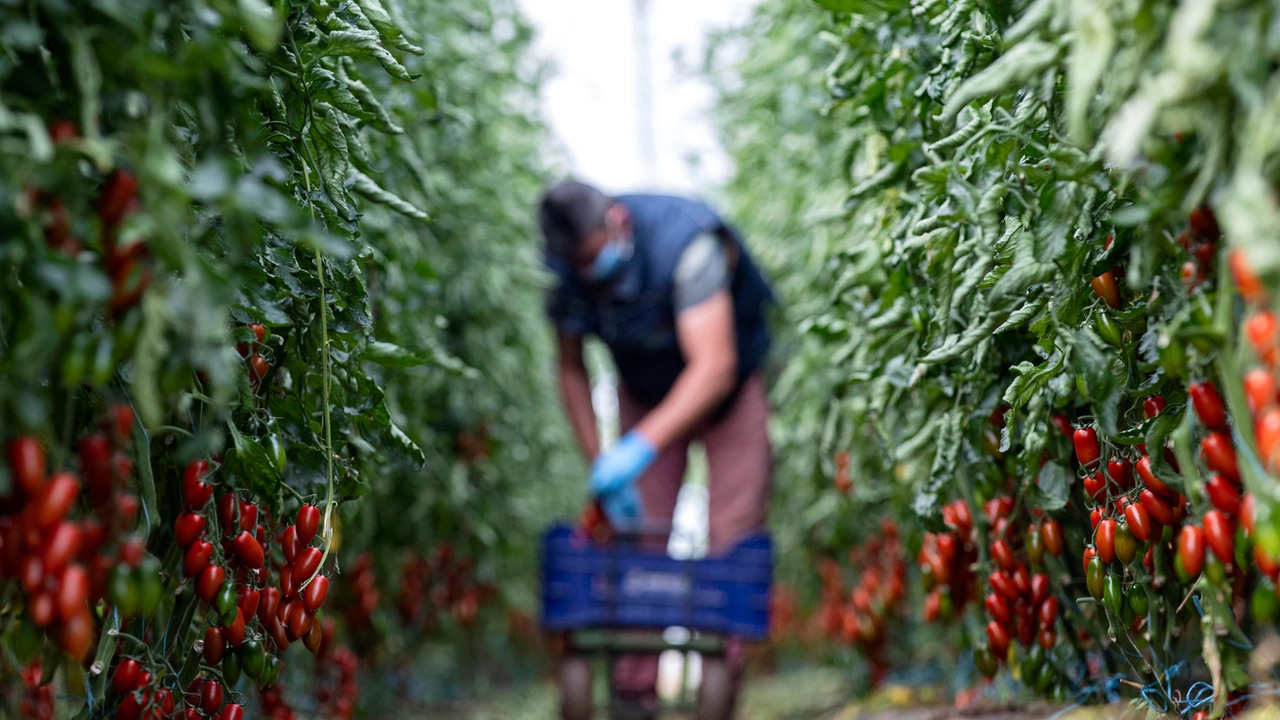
[587, 585]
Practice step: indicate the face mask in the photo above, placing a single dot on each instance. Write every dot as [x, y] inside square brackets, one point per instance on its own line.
[609, 261]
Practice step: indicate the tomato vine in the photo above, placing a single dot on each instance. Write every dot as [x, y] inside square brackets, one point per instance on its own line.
[1012, 210]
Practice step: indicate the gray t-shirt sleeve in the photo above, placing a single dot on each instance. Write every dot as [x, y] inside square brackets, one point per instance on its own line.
[701, 272]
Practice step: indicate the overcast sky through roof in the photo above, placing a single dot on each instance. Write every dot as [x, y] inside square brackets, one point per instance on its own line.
[591, 99]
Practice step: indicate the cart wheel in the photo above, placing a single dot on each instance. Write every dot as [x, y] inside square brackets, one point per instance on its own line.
[715, 693]
[574, 677]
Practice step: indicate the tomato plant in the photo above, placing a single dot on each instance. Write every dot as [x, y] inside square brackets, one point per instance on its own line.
[1009, 271]
[225, 281]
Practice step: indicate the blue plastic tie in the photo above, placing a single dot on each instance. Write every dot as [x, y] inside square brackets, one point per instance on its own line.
[1198, 695]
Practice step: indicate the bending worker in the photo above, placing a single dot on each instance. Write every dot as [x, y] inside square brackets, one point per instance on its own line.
[672, 292]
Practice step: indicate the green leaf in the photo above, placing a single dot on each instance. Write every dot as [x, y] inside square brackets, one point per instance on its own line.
[329, 148]
[261, 24]
[377, 16]
[360, 43]
[391, 355]
[252, 466]
[365, 186]
[1052, 488]
[926, 504]
[1104, 377]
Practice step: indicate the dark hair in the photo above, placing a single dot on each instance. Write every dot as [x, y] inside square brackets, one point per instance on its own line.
[568, 211]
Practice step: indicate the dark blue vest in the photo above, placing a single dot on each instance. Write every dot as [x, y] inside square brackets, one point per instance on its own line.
[635, 314]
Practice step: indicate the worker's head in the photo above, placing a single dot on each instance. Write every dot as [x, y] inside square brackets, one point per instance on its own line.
[586, 229]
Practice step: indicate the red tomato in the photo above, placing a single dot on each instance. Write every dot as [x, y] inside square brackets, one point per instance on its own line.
[1121, 471]
[119, 188]
[1153, 406]
[314, 594]
[1039, 589]
[1261, 330]
[125, 678]
[1004, 585]
[197, 558]
[1269, 566]
[999, 638]
[72, 594]
[1002, 554]
[211, 696]
[1247, 512]
[1220, 536]
[228, 507]
[1191, 549]
[1259, 390]
[258, 368]
[1104, 540]
[1048, 638]
[1208, 404]
[1157, 507]
[1022, 580]
[43, 609]
[248, 551]
[287, 586]
[1139, 521]
[309, 522]
[1095, 517]
[1267, 433]
[75, 635]
[232, 712]
[1249, 284]
[259, 332]
[1063, 424]
[234, 632]
[300, 621]
[1051, 534]
[1048, 612]
[209, 582]
[95, 467]
[247, 600]
[188, 528]
[1223, 495]
[248, 515]
[314, 638]
[998, 608]
[62, 131]
[1085, 440]
[27, 463]
[1219, 456]
[214, 645]
[289, 544]
[62, 544]
[1204, 223]
[268, 603]
[1089, 554]
[195, 490]
[1095, 486]
[1026, 626]
[1151, 481]
[307, 563]
[1107, 289]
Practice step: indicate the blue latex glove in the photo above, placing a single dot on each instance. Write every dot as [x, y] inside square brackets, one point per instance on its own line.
[614, 474]
[623, 507]
[622, 464]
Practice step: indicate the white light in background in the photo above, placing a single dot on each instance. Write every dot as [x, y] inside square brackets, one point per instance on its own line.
[590, 100]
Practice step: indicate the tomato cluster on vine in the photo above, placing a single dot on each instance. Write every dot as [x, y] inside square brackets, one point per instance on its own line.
[861, 615]
[946, 560]
[447, 582]
[64, 564]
